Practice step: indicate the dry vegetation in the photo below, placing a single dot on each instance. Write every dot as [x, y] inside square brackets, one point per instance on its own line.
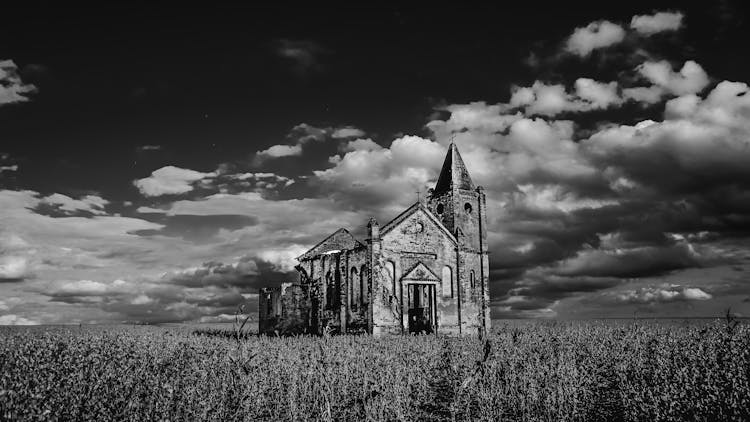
[631, 371]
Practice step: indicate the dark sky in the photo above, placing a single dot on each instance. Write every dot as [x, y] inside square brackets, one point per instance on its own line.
[148, 145]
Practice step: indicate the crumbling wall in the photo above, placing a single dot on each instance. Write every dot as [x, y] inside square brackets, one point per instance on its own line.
[357, 291]
[294, 309]
[269, 309]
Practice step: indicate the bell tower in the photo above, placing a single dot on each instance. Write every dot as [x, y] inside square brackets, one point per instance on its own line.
[461, 207]
[458, 203]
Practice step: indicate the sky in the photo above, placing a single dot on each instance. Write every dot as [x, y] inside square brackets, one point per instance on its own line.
[161, 163]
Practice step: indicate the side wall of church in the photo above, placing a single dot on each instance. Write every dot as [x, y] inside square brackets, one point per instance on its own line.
[470, 217]
[337, 293]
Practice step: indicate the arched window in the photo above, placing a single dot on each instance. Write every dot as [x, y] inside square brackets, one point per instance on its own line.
[331, 299]
[439, 209]
[354, 291]
[364, 285]
[391, 270]
[447, 281]
[467, 208]
[472, 280]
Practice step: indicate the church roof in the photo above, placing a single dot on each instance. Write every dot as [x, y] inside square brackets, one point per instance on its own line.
[339, 240]
[453, 173]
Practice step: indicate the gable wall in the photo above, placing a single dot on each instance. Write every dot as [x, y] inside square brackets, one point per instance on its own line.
[406, 246]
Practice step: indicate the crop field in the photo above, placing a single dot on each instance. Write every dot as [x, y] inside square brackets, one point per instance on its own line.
[542, 371]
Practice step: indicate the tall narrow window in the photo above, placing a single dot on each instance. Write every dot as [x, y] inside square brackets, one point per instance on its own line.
[364, 286]
[354, 291]
[447, 281]
[269, 305]
[391, 269]
[330, 290]
[472, 280]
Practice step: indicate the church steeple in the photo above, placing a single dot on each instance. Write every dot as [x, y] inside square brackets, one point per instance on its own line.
[453, 174]
[456, 200]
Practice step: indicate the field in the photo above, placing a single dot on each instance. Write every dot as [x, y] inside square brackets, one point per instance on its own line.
[545, 371]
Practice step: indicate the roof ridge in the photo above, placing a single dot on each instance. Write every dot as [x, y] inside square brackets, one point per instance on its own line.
[340, 229]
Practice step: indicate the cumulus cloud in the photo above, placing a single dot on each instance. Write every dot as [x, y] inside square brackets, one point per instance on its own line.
[597, 95]
[664, 293]
[170, 180]
[93, 204]
[644, 95]
[12, 88]
[361, 145]
[594, 36]
[690, 79]
[276, 151]
[550, 100]
[658, 22]
[381, 176]
[601, 34]
[698, 136]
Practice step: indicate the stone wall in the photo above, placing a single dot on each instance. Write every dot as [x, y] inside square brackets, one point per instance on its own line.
[269, 309]
[418, 239]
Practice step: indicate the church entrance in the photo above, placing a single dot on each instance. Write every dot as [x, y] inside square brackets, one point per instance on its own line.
[421, 308]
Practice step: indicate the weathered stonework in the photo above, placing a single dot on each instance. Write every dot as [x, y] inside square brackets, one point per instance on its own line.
[426, 271]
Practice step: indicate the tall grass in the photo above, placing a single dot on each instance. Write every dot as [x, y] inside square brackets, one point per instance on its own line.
[537, 372]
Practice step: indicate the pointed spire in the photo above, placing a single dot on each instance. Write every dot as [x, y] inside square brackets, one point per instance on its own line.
[454, 173]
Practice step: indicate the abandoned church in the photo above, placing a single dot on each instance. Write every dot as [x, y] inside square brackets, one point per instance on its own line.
[426, 271]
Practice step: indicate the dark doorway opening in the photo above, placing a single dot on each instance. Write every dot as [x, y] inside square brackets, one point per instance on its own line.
[422, 315]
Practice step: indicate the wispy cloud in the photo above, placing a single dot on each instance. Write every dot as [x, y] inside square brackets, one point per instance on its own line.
[304, 134]
[304, 55]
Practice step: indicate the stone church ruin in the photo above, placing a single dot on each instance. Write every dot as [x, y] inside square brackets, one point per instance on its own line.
[426, 271]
